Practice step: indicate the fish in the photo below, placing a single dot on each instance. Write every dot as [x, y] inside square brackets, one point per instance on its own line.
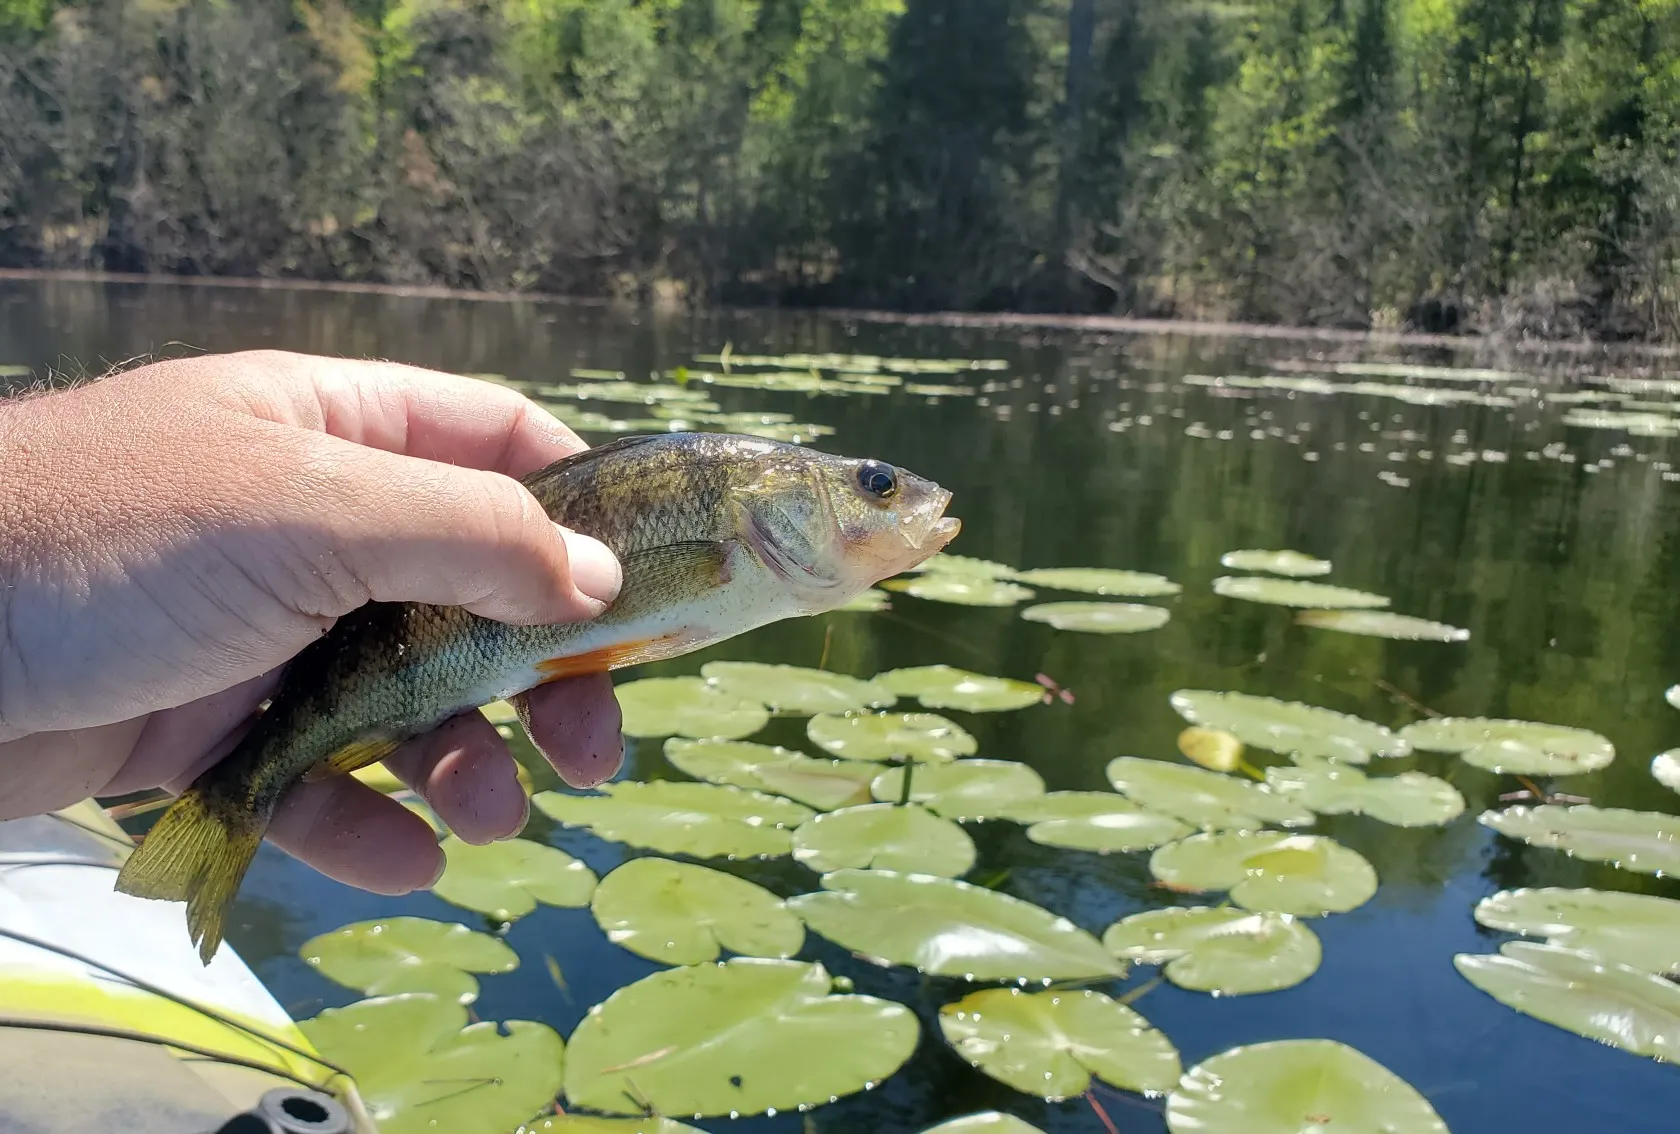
[717, 534]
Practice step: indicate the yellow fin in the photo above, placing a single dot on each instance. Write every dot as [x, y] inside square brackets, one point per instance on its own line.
[601, 660]
[356, 754]
[197, 856]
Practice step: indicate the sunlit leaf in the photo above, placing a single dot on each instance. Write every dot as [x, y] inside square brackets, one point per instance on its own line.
[947, 563]
[1382, 624]
[1221, 950]
[500, 712]
[1517, 747]
[1202, 798]
[741, 1037]
[950, 928]
[1275, 871]
[795, 689]
[408, 954]
[1291, 563]
[1211, 748]
[822, 784]
[985, 1122]
[1641, 931]
[678, 913]
[1051, 1044]
[507, 879]
[1645, 842]
[1665, 769]
[1289, 727]
[967, 790]
[1099, 617]
[703, 820]
[945, 687]
[1411, 799]
[925, 737]
[1093, 821]
[1672, 695]
[961, 589]
[884, 836]
[1293, 592]
[378, 777]
[867, 602]
[1100, 581]
[590, 1124]
[687, 706]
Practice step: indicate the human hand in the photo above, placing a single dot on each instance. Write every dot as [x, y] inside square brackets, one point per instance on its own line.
[172, 535]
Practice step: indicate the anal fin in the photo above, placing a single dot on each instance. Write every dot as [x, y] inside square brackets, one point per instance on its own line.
[356, 754]
[615, 656]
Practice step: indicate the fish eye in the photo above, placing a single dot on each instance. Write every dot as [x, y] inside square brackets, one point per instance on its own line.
[877, 479]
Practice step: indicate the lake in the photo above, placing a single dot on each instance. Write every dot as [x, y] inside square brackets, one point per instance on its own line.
[1513, 506]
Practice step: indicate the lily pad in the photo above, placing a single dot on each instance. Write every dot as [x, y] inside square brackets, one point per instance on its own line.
[1211, 748]
[677, 913]
[985, 1122]
[947, 563]
[507, 879]
[687, 706]
[1582, 993]
[1202, 798]
[795, 689]
[1672, 695]
[1665, 769]
[1099, 617]
[1304, 875]
[870, 601]
[1382, 624]
[1289, 727]
[1220, 950]
[500, 712]
[1517, 747]
[822, 784]
[589, 1124]
[878, 737]
[961, 589]
[884, 836]
[408, 954]
[1411, 799]
[1645, 842]
[950, 928]
[1292, 563]
[946, 687]
[1291, 1086]
[420, 1069]
[1294, 592]
[971, 789]
[1100, 581]
[742, 1037]
[1051, 1044]
[702, 820]
[1093, 821]
[1641, 931]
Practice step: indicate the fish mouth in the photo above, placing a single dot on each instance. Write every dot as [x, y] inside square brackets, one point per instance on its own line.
[927, 529]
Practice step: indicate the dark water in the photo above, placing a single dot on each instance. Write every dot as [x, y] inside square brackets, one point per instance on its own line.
[1558, 546]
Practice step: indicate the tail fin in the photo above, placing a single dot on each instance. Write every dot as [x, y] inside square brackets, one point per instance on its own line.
[198, 856]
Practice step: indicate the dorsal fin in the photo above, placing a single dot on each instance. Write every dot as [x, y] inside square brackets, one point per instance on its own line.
[583, 457]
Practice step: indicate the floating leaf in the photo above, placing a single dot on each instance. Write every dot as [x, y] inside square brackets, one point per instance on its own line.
[986, 1122]
[1291, 563]
[408, 954]
[1645, 842]
[1411, 799]
[742, 1037]
[1100, 581]
[1292, 1086]
[1665, 769]
[1202, 798]
[1211, 748]
[822, 784]
[946, 563]
[950, 928]
[1291, 592]
[1518, 747]
[879, 737]
[507, 879]
[1289, 727]
[589, 1124]
[1382, 624]
[1051, 1044]
[1098, 617]
[971, 789]
[1305, 875]
[1638, 930]
[419, 1070]
[378, 777]
[945, 687]
[703, 820]
[1221, 950]
[794, 689]
[961, 589]
[687, 706]
[867, 602]
[1582, 993]
[500, 712]
[1672, 695]
[884, 836]
[677, 913]
[1093, 821]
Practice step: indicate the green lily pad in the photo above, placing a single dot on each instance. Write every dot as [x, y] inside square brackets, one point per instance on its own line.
[1293, 592]
[1220, 950]
[946, 687]
[1211, 748]
[1641, 931]
[1411, 799]
[985, 1122]
[738, 1038]
[1382, 624]
[500, 712]
[702, 820]
[1672, 695]
[870, 601]
[1274, 871]
[1093, 821]
[1202, 798]
[506, 880]
[1100, 581]
[1291, 1086]
[879, 737]
[971, 789]
[1665, 769]
[408, 954]
[884, 836]
[589, 1124]
[1051, 1044]
[687, 706]
[822, 784]
[1099, 617]
[961, 589]
[420, 1069]
[1292, 563]
[1289, 727]
[795, 689]
[950, 928]
[677, 913]
[1518, 747]
[1645, 842]
[946, 563]
[1582, 993]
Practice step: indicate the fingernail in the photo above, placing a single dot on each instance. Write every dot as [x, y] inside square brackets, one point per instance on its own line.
[595, 569]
